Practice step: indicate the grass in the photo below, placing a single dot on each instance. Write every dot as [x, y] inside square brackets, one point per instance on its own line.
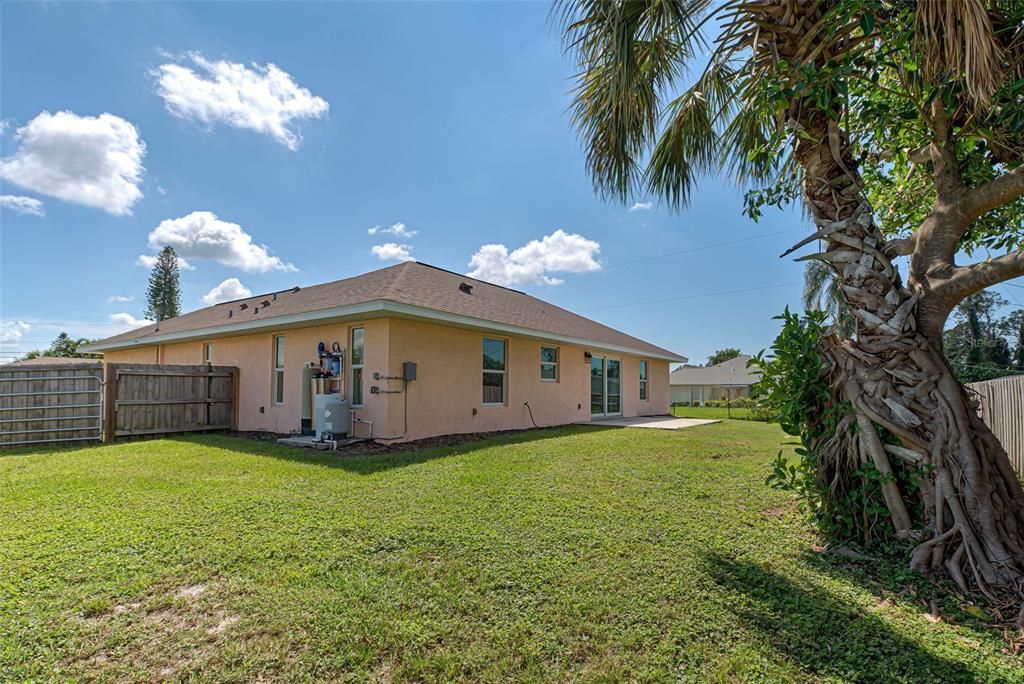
[584, 553]
[712, 412]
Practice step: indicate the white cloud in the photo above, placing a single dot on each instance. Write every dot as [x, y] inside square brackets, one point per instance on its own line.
[642, 206]
[128, 321]
[11, 332]
[533, 263]
[22, 205]
[121, 298]
[149, 261]
[397, 229]
[230, 289]
[90, 160]
[263, 98]
[201, 235]
[392, 251]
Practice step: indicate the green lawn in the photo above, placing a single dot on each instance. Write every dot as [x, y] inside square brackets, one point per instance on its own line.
[712, 412]
[585, 553]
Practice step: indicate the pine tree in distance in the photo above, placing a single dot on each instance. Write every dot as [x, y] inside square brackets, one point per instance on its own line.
[163, 295]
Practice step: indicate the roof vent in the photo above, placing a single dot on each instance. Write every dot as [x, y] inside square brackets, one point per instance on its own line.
[231, 312]
[243, 306]
[466, 287]
[265, 303]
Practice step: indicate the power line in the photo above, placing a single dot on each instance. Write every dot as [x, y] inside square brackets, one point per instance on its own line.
[696, 296]
[699, 249]
[1002, 369]
[71, 324]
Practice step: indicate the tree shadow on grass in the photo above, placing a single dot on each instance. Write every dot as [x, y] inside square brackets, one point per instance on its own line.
[387, 458]
[824, 634]
[891, 579]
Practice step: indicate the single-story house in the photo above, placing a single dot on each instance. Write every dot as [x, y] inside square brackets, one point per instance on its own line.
[416, 351]
[727, 380]
[52, 360]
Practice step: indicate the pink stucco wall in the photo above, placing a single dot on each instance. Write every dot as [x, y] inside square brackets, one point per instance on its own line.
[447, 396]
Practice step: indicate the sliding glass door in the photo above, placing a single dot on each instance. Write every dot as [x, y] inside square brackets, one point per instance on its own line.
[605, 386]
[597, 386]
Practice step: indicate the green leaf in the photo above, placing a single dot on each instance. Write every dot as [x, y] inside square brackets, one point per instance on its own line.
[867, 23]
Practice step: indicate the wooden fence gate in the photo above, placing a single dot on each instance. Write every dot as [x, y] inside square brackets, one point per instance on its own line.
[146, 399]
[1002, 409]
[51, 403]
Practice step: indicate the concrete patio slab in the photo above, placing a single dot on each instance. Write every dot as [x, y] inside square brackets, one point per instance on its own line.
[656, 422]
[309, 442]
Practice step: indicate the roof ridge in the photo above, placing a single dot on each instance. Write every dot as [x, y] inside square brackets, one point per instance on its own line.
[463, 275]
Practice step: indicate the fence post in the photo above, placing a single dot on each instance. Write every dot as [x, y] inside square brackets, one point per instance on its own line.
[234, 399]
[109, 401]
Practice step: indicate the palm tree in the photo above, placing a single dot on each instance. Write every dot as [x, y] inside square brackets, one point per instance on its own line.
[819, 99]
[822, 291]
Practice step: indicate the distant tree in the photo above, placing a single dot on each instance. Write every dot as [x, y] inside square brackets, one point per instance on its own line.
[822, 291]
[1013, 328]
[977, 345]
[63, 346]
[723, 355]
[163, 295]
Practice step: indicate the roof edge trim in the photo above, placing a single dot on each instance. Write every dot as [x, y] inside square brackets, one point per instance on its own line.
[374, 306]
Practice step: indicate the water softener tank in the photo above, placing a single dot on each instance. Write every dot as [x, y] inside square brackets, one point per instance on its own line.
[333, 415]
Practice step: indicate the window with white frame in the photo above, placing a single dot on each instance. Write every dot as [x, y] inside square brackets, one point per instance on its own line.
[549, 364]
[643, 380]
[494, 371]
[357, 366]
[208, 354]
[279, 369]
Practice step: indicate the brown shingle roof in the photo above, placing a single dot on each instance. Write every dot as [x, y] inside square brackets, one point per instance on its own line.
[53, 361]
[409, 283]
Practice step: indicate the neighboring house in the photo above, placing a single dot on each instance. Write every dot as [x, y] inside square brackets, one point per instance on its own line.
[482, 352]
[53, 360]
[727, 380]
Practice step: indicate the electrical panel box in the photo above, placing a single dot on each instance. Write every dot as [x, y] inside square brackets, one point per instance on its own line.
[409, 371]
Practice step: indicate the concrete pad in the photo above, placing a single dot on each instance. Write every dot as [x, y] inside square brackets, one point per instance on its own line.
[309, 442]
[656, 422]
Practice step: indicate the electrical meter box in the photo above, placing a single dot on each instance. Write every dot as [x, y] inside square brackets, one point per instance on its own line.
[409, 371]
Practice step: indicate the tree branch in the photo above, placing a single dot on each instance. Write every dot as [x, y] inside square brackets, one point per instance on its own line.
[949, 186]
[984, 198]
[967, 280]
[900, 246]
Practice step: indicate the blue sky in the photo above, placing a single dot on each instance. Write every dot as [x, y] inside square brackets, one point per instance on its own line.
[447, 118]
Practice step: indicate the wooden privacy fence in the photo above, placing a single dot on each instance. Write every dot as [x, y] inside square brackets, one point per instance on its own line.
[1002, 409]
[146, 399]
[92, 402]
[51, 403]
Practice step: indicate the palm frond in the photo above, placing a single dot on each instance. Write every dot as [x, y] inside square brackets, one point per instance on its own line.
[630, 54]
[955, 38]
[823, 292]
[688, 145]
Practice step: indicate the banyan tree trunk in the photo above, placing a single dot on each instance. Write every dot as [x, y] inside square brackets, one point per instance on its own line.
[896, 377]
